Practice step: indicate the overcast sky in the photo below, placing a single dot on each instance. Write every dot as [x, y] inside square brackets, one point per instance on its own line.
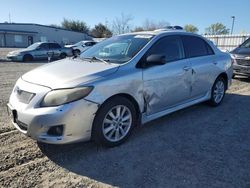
[200, 13]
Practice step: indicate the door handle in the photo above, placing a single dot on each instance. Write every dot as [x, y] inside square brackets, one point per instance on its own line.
[186, 68]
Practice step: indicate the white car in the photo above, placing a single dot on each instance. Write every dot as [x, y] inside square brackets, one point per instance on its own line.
[81, 46]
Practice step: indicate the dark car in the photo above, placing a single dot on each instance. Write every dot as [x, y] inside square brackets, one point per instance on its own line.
[241, 56]
[40, 51]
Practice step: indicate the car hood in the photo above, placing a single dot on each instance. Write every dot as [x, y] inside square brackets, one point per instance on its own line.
[19, 51]
[241, 51]
[69, 73]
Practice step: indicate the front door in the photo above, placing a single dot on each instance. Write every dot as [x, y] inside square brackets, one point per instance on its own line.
[42, 51]
[167, 85]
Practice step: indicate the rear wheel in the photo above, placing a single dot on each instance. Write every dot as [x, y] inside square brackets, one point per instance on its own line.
[114, 121]
[218, 91]
[27, 58]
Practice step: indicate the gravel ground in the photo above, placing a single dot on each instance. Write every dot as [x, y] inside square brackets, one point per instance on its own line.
[196, 147]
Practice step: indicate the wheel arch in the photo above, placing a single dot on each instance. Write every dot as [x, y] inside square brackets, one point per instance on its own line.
[130, 98]
[28, 55]
[225, 77]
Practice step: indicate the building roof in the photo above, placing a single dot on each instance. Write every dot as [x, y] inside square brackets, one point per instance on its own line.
[41, 26]
[17, 31]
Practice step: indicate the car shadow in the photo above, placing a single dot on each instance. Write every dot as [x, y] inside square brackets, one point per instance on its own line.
[199, 146]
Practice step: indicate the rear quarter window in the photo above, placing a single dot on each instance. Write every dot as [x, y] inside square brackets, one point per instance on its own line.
[196, 47]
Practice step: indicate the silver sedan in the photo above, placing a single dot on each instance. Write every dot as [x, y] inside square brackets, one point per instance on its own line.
[122, 82]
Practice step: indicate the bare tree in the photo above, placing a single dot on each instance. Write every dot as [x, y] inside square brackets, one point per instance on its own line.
[121, 24]
[150, 25]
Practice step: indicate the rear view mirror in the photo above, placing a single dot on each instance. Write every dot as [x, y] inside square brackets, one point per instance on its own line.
[156, 59]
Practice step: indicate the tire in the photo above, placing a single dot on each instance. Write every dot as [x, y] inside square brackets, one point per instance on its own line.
[110, 129]
[27, 58]
[218, 92]
[63, 55]
[76, 52]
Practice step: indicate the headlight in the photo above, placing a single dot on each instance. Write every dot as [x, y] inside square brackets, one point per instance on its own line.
[63, 96]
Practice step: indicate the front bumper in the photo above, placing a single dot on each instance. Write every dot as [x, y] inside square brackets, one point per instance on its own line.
[241, 70]
[15, 57]
[76, 117]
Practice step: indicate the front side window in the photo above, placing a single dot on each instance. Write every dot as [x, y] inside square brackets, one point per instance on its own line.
[118, 49]
[170, 47]
[196, 47]
[44, 46]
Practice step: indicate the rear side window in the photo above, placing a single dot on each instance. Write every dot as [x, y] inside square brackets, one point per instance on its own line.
[170, 46]
[196, 47]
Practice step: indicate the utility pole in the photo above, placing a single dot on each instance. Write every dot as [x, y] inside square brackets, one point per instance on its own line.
[9, 18]
[233, 18]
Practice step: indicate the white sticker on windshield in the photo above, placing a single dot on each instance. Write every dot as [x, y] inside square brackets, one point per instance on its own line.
[143, 36]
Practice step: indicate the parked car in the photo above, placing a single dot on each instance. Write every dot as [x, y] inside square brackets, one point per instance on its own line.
[103, 97]
[241, 56]
[81, 46]
[39, 51]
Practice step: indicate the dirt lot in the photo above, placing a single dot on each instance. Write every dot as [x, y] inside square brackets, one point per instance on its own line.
[196, 147]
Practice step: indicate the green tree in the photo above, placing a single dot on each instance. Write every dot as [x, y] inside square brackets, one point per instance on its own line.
[101, 31]
[217, 29]
[191, 28]
[73, 25]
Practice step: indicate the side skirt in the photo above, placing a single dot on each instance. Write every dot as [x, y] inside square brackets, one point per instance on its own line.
[152, 117]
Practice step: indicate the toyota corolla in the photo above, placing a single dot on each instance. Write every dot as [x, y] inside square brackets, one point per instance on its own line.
[123, 81]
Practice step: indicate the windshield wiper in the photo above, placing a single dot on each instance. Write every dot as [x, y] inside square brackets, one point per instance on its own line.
[100, 59]
[94, 58]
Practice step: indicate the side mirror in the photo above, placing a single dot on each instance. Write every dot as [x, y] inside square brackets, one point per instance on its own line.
[156, 59]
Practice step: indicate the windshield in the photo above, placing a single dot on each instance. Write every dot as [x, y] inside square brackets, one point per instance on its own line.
[118, 49]
[246, 44]
[33, 46]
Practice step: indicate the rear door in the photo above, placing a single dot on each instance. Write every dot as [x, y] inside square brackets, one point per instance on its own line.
[55, 48]
[203, 63]
[167, 85]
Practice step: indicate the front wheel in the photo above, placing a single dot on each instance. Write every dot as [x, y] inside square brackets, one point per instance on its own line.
[218, 92]
[114, 121]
